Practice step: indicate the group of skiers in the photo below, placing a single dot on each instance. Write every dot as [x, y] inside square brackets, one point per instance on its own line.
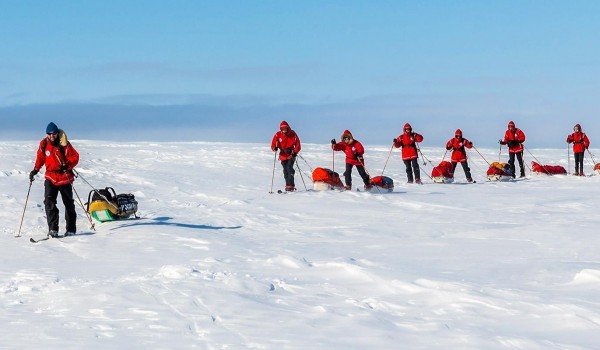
[60, 158]
[288, 143]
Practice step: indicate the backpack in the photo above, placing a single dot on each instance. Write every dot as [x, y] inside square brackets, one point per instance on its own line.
[106, 205]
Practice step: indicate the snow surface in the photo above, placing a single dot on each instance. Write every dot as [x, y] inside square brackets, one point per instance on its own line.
[216, 262]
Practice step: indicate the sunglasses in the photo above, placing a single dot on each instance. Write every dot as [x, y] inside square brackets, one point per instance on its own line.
[457, 136]
[345, 138]
[52, 134]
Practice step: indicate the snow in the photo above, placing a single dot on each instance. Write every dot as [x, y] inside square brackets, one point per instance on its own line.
[216, 262]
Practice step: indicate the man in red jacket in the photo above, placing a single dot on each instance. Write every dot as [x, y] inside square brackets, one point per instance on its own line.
[514, 138]
[459, 154]
[580, 144]
[288, 143]
[408, 141]
[59, 158]
[354, 151]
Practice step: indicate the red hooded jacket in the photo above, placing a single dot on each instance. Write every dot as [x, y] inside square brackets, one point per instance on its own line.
[53, 156]
[408, 141]
[514, 139]
[351, 149]
[288, 142]
[457, 144]
[580, 141]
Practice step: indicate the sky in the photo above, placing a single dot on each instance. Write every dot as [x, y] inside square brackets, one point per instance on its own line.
[232, 70]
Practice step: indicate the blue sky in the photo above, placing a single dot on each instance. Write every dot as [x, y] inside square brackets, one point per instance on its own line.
[232, 70]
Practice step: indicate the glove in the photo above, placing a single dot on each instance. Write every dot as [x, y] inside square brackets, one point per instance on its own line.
[333, 141]
[64, 168]
[394, 141]
[357, 155]
[275, 149]
[289, 150]
[32, 174]
[512, 143]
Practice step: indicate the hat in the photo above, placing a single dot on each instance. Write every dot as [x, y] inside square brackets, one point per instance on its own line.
[458, 132]
[347, 133]
[407, 126]
[284, 124]
[52, 128]
[511, 123]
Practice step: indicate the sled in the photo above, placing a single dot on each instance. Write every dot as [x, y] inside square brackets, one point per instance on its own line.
[381, 184]
[597, 168]
[548, 169]
[499, 172]
[325, 179]
[443, 173]
[105, 205]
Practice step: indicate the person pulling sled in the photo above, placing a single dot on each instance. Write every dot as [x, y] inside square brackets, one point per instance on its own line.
[459, 154]
[580, 143]
[59, 157]
[408, 141]
[354, 151]
[514, 138]
[287, 142]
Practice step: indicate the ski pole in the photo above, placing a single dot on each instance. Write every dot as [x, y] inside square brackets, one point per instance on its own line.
[444, 157]
[273, 176]
[388, 158]
[482, 157]
[24, 208]
[500, 153]
[422, 155]
[568, 159]
[83, 207]
[302, 177]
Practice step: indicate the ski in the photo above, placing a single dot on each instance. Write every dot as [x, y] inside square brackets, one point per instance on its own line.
[33, 240]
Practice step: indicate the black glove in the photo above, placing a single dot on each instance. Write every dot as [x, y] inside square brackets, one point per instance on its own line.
[32, 174]
[357, 155]
[501, 142]
[275, 149]
[333, 141]
[289, 150]
[64, 168]
[394, 141]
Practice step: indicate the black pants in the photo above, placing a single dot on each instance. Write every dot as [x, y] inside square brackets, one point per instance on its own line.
[361, 171]
[412, 165]
[288, 171]
[50, 195]
[465, 166]
[579, 162]
[511, 163]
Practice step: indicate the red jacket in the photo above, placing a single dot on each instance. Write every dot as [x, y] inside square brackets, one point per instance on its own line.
[580, 141]
[52, 157]
[408, 142]
[350, 149]
[287, 143]
[514, 140]
[457, 145]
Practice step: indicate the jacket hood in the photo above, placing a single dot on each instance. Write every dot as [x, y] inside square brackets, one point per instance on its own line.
[407, 126]
[347, 133]
[511, 123]
[577, 126]
[458, 132]
[284, 124]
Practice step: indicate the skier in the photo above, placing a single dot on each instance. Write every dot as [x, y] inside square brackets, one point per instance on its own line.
[459, 154]
[288, 143]
[514, 138]
[59, 159]
[354, 151]
[580, 144]
[408, 141]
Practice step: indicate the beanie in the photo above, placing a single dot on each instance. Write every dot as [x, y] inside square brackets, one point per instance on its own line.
[52, 128]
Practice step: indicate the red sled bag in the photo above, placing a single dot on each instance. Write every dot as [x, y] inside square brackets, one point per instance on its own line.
[499, 172]
[325, 179]
[597, 168]
[548, 169]
[381, 184]
[442, 173]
